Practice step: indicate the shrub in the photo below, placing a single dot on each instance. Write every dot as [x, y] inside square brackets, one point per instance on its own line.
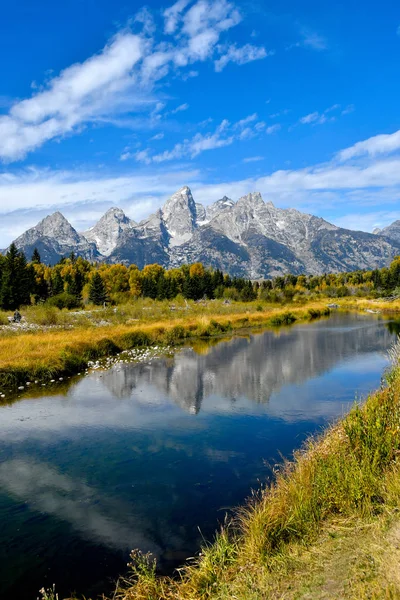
[176, 334]
[283, 319]
[134, 339]
[64, 300]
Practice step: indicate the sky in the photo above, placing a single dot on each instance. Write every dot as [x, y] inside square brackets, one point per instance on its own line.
[121, 103]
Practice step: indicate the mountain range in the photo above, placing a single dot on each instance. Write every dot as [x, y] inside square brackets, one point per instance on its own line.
[250, 238]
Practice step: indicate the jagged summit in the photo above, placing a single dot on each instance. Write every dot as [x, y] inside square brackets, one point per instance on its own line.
[249, 237]
[392, 231]
[55, 237]
[108, 231]
[180, 216]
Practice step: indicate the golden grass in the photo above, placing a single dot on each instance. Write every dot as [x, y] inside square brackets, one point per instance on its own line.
[45, 354]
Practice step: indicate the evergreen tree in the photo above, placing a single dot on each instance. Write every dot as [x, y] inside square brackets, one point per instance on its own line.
[17, 280]
[97, 290]
[36, 257]
[57, 284]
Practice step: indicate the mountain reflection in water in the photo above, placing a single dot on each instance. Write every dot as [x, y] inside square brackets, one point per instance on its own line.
[143, 455]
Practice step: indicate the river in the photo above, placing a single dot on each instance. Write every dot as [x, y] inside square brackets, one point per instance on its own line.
[153, 455]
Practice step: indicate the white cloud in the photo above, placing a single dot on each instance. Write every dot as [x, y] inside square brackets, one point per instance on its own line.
[224, 135]
[125, 156]
[317, 118]
[180, 108]
[367, 221]
[143, 156]
[244, 122]
[251, 159]
[78, 94]
[379, 144]
[198, 144]
[314, 40]
[121, 78]
[280, 113]
[349, 109]
[242, 55]
[172, 15]
[310, 118]
[273, 129]
[158, 136]
[310, 39]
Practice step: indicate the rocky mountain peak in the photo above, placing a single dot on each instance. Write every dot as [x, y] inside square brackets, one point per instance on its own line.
[253, 199]
[55, 238]
[392, 231]
[250, 238]
[107, 232]
[55, 225]
[180, 216]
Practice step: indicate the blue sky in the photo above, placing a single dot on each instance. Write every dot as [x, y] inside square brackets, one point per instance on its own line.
[118, 103]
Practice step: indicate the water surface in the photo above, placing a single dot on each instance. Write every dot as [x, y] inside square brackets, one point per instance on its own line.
[153, 455]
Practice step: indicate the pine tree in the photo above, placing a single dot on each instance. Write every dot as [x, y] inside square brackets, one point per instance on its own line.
[36, 257]
[17, 280]
[97, 290]
[57, 284]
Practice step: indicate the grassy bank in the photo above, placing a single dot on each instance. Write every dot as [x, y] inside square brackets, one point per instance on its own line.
[44, 355]
[328, 527]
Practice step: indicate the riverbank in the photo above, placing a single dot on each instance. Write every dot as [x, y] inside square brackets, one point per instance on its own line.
[328, 527]
[45, 355]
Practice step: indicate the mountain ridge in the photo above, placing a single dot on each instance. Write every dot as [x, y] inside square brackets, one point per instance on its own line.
[248, 237]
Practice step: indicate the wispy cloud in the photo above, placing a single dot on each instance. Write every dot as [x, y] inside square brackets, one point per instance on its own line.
[313, 40]
[366, 175]
[158, 136]
[241, 55]
[310, 39]
[273, 129]
[349, 109]
[252, 159]
[319, 118]
[379, 144]
[122, 77]
[224, 135]
[180, 108]
[280, 113]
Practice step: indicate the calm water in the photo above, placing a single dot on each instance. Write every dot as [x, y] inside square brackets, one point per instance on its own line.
[153, 455]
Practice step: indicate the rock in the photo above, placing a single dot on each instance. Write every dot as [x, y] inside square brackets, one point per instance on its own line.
[248, 238]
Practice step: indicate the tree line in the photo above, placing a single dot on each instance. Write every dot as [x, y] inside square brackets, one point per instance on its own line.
[74, 281]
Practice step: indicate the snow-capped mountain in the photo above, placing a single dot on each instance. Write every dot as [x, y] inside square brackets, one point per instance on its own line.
[249, 237]
[107, 232]
[55, 237]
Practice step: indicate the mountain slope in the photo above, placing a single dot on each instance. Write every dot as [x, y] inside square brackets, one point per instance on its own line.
[392, 231]
[55, 238]
[107, 232]
[250, 238]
